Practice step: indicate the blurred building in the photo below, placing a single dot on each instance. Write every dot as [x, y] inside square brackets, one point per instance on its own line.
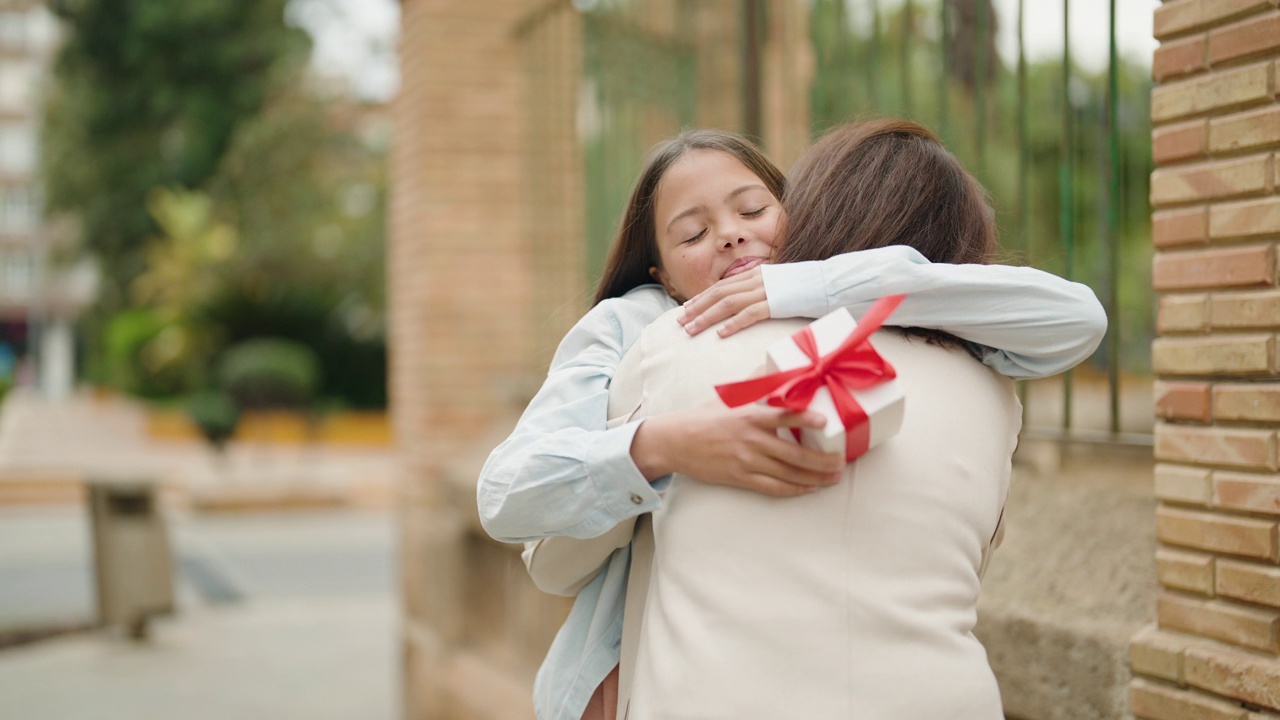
[38, 303]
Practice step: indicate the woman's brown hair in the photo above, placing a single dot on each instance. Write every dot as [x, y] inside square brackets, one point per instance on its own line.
[635, 249]
[886, 182]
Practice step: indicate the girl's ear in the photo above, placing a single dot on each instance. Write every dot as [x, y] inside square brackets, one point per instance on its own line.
[660, 275]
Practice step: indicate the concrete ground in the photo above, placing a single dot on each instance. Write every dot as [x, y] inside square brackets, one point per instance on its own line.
[280, 616]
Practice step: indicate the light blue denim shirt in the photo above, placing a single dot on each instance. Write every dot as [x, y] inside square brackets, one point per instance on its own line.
[561, 472]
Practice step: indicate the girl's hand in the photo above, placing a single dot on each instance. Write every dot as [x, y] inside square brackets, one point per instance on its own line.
[737, 447]
[740, 298]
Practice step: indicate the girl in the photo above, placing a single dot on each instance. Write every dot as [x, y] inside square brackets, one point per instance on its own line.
[562, 472]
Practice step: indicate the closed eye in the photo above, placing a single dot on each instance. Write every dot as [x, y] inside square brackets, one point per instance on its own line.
[697, 237]
[755, 213]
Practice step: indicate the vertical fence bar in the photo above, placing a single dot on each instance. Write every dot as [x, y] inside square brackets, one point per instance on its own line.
[980, 90]
[1024, 140]
[1066, 182]
[944, 44]
[1113, 225]
[873, 62]
[1024, 162]
[752, 40]
[904, 56]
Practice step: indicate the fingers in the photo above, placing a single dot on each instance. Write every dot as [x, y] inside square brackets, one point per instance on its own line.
[749, 316]
[801, 459]
[779, 418]
[705, 299]
[774, 487]
[733, 305]
[794, 455]
[740, 298]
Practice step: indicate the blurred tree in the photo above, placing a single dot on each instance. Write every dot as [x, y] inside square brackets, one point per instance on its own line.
[149, 93]
[287, 242]
[304, 185]
[224, 199]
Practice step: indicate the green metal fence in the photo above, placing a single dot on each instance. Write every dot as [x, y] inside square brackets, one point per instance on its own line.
[1064, 151]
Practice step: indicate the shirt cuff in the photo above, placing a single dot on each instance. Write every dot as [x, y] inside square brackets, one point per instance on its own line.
[620, 483]
[795, 290]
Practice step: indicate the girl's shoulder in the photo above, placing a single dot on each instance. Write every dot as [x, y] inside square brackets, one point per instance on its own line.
[648, 297]
[631, 312]
[614, 324]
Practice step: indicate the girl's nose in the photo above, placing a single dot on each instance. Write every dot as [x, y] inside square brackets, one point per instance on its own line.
[730, 243]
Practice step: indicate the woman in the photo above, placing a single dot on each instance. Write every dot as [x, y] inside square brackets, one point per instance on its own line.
[857, 600]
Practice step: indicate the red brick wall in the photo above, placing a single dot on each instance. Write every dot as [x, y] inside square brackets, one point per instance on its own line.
[1215, 650]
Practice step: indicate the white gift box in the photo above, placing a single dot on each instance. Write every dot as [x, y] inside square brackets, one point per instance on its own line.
[883, 403]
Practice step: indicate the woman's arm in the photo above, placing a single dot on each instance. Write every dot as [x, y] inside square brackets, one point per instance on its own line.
[1029, 323]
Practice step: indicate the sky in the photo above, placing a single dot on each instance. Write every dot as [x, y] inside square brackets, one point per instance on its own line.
[355, 40]
[1089, 25]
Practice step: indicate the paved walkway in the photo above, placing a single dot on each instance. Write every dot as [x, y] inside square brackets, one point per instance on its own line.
[280, 616]
[309, 660]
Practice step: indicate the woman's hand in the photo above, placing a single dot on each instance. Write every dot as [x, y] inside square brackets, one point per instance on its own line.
[737, 447]
[740, 298]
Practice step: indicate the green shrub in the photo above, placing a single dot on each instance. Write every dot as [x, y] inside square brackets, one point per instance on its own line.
[216, 414]
[269, 373]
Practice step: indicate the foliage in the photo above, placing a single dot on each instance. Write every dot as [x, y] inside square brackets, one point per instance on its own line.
[269, 373]
[344, 333]
[147, 94]
[216, 414]
[187, 264]
[224, 199]
[305, 194]
[136, 343]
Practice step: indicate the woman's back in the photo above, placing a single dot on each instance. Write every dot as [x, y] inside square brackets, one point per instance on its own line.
[855, 601]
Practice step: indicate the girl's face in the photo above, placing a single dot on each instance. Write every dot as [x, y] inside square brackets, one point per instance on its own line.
[714, 218]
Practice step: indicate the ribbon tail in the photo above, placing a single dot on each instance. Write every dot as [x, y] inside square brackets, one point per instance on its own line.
[752, 389]
[870, 322]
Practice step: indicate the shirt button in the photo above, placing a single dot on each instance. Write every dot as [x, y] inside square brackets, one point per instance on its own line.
[636, 499]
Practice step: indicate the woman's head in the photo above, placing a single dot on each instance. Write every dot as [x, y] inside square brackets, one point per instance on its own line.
[885, 182]
[706, 204]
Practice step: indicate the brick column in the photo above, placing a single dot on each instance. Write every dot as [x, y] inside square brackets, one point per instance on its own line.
[788, 75]
[1215, 651]
[458, 282]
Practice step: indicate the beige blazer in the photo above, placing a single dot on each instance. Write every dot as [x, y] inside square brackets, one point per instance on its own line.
[829, 605]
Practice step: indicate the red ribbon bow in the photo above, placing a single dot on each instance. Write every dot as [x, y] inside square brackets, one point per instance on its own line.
[854, 365]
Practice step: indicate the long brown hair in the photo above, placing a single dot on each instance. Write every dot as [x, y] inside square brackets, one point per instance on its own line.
[885, 182]
[635, 249]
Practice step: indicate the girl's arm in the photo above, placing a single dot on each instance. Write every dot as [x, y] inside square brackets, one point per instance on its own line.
[563, 471]
[1028, 323]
